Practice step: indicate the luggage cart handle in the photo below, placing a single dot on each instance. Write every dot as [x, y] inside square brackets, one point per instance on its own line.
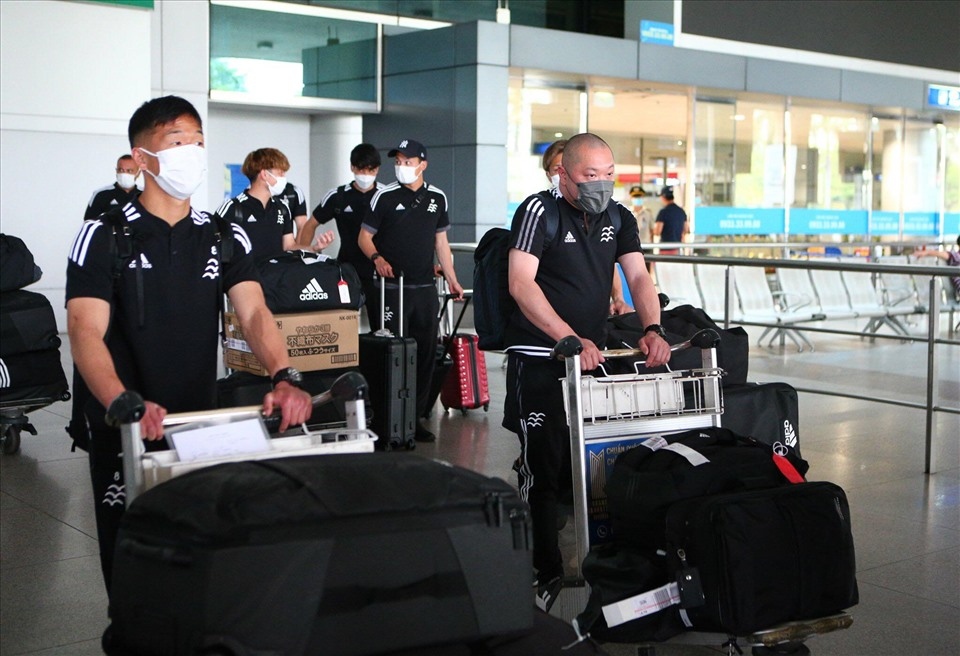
[129, 407]
[570, 346]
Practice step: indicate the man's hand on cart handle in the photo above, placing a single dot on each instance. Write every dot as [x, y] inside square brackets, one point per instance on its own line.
[128, 407]
[294, 404]
[151, 426]
[571, 345]
[655, 348]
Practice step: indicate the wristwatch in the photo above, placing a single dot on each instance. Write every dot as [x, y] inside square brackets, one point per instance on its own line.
[374, 257]
[288, 375]
[655, 328]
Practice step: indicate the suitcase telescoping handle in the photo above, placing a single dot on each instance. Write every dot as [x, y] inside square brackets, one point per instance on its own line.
[383, 332]
[127, 409]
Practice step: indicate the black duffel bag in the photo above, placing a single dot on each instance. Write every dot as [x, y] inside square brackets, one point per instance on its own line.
[302, 281]
[17, 266]
[653, 476]
[681, 323]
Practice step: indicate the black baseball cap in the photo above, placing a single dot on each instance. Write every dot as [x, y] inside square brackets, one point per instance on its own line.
[409, 148]
[667, 192]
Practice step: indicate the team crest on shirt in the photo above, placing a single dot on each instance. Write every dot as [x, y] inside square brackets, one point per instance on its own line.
[212, 270]
[432, 207]
[279, 217]
[606, 234]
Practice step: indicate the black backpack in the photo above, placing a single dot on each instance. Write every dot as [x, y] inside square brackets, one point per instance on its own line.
[492, 303]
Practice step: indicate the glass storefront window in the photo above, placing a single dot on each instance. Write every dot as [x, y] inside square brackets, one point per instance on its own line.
[741, 188]
[538, 116]
[290, 59]
[827, 175]
[951, 178]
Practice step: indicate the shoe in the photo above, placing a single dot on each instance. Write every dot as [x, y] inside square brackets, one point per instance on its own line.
[423, 435]
[548, 592]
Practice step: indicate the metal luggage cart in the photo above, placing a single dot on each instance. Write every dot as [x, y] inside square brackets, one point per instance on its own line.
[610, 414]
[13, 419]
[143, 470]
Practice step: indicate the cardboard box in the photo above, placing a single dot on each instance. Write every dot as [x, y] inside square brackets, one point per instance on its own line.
[315, 340]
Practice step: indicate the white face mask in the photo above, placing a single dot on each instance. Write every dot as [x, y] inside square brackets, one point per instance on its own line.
[139, 181]
[555, 180]
[278, 186]
[126, 180]
[365, 181]
[182, 169]
[406, 174]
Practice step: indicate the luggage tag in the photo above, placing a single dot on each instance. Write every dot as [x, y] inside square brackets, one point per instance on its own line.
[344, 291]
[691, 591]
[688, 584]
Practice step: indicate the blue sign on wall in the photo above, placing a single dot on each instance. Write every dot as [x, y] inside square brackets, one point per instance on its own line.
[920, 223]
[654, 32]
[235, 181]
[885, 223]
[818, 222]
[739, 221]
[943, 97]
[951, 225]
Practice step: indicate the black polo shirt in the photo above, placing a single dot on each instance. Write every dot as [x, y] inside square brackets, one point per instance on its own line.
[107, 198]
[172, 357]
[296, 200]
[266, 226]
[672, 217]
[346, 206]
[407, 239]
[575, 270]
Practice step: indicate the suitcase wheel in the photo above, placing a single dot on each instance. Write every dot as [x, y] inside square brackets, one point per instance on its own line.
[486, 406]
[10, 440]
[463, 411]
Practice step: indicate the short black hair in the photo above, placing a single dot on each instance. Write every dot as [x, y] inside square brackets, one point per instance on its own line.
[365, 156]
[157, 112]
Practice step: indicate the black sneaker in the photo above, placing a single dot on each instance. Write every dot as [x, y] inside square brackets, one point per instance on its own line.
[548, 592]
[423, 435]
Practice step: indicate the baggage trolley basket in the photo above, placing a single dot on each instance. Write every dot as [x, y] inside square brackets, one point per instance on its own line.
[143, 470]
[620, 407]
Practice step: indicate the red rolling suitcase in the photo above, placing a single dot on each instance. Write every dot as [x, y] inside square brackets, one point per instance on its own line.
[465, 386]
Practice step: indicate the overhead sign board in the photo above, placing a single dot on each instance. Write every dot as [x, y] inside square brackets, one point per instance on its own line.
[942, 96]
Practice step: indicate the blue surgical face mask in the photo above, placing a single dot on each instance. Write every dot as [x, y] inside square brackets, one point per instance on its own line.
[594, 195]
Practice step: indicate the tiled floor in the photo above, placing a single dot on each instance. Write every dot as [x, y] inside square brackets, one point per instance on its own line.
[906, 524]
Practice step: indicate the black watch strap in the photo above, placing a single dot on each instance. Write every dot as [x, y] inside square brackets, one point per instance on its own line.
[655, 328]
[288, 375]
[374, 257]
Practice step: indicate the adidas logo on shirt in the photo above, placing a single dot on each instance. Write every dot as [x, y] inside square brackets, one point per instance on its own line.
[400, 206]
[348, 209]
[144, 262]
[313, 292]
[113, 201]
[251, 219]
[569, 239]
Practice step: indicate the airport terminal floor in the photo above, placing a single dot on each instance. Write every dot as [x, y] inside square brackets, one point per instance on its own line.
[906, 524]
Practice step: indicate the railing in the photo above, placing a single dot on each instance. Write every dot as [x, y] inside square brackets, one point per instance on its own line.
[930, 406]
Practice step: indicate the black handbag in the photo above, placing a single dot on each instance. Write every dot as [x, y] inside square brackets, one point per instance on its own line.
[303, 281]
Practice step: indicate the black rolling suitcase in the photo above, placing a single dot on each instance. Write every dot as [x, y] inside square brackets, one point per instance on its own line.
[389, 363]
[334, 554]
